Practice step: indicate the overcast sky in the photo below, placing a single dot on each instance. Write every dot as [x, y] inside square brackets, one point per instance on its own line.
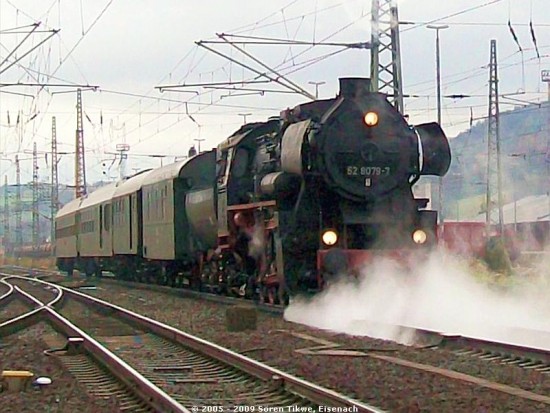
[128, 47]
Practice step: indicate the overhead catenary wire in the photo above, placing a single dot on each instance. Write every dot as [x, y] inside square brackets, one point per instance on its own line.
[336, 32]
[532, 30]
[256, 25]
[194, 52]
[69, 54]
[458, 13]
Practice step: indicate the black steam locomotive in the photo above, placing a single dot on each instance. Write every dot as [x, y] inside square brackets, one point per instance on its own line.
[280, 206]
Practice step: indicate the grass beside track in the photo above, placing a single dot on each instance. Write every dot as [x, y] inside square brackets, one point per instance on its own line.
[43, 263]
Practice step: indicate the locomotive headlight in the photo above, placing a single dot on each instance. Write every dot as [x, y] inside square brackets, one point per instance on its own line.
[419, 236]
[371, 119]
[330, 237]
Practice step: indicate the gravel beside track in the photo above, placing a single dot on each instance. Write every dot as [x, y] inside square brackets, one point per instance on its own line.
[13, 309]
[25, 351]
[189, 377]
[37, 290]
[389, 386]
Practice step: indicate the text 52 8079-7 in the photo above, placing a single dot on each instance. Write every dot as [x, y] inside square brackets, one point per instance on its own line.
[367, 170]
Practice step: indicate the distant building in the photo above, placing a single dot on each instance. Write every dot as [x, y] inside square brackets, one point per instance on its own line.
[423, 189]
[533, 208]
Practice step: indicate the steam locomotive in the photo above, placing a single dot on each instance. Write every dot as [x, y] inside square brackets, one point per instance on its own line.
[278, 207]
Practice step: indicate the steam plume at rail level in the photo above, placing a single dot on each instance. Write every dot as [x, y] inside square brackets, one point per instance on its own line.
[442, 293]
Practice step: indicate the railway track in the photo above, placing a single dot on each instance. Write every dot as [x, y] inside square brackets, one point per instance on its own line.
[534, 359]
[448, 340]
[530, 357]
[206, 296]
[465, 351]
[14, 305]
[57, 277]
[169, 369]
[102, 372]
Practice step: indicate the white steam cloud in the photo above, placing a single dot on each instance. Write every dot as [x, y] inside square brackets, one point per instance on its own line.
[440, 294]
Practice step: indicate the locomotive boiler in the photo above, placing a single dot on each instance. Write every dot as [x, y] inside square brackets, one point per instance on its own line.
[287, 204]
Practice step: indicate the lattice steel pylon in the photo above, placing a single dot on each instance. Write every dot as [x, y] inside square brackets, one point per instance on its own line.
[18, 205]
[35, 199]
[494, 175]
[80, 165]
[6, 215]
[54, 200]
[385, 66]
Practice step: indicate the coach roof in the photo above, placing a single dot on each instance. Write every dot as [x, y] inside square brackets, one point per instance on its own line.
[132, 184]
[165, 173]
[180, 169]
[99, 196]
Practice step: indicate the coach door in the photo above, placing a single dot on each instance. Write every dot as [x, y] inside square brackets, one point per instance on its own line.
[104, 226]
[131, 222]
[107, 228]
[101, 227]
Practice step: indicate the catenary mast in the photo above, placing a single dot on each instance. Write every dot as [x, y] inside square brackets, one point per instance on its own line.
[494, 175]
[54, 199]
[385, 69]
[18, 206]
[35, 199]
[80, 166]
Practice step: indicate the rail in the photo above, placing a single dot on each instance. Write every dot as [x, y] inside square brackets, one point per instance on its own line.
[307, 390]
[147, 391]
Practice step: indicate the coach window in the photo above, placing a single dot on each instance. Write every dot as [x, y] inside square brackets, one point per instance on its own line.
[107, 217]
[154, 204]
[161, 203]
[101, 226]
[164, 192]
[101, 217]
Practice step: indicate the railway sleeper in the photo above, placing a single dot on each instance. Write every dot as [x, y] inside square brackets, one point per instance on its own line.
[531, 365]
[98, 382]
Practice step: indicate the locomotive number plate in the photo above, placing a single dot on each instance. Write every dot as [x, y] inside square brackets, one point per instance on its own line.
[367, 170]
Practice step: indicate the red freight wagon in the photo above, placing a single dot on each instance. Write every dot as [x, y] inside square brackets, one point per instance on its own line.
[463, 238]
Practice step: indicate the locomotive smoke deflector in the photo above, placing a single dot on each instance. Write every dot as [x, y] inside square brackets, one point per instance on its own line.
[433, 148]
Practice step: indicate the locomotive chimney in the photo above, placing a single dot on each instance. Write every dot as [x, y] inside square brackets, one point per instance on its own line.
[351, 87]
